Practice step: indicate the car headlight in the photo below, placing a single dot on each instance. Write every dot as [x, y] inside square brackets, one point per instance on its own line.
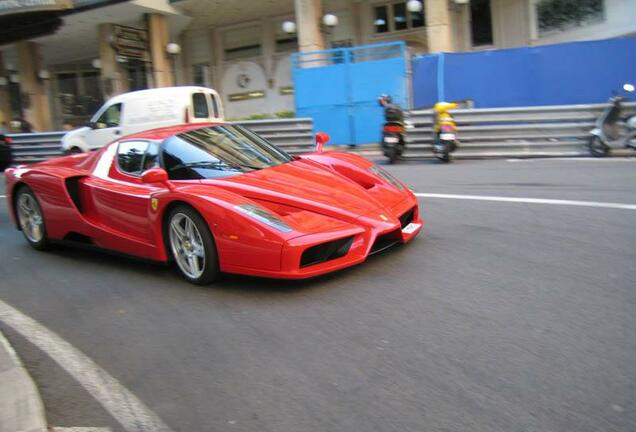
[262, 215]
[386, 176]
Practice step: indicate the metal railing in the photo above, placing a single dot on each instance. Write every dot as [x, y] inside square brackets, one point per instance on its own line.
[294, 135]
[483, 133]
[513, 132]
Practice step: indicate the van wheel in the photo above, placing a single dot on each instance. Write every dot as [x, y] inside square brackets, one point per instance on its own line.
[75, 150]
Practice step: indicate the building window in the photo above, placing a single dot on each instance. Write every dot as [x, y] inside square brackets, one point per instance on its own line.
[481, 23]
[394, 17]
[560, 15]
[242, 43]
[200, 74]
[381, 19]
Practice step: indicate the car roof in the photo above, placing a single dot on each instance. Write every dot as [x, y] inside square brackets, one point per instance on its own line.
[165, 132]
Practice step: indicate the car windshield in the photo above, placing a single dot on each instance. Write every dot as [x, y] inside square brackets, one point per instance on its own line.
[218, 151]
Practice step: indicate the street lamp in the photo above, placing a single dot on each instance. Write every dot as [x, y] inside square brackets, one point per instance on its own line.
[289, 27]
[173, 49]
[414, 6]
[328, 20]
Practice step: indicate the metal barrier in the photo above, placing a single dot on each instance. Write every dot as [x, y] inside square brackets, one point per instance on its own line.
[513, 132]
[294, 135]
[483, 133]
[36, 147]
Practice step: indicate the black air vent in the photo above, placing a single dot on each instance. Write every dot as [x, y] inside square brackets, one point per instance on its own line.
[407, 217]
[326, 252]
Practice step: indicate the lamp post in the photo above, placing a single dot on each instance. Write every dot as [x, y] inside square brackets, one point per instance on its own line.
[173, 49]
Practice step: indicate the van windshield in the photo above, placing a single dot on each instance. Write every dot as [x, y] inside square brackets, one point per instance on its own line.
[218, 151]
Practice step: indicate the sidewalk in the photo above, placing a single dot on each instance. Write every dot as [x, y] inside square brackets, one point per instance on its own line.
[21, 409]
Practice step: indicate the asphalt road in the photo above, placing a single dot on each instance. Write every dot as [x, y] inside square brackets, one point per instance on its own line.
[500, 317]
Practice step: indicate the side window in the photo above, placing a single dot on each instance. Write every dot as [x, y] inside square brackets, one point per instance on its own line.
[110, 118]
[200, 105]
[130, 156]
[151, 158]
[215, 105]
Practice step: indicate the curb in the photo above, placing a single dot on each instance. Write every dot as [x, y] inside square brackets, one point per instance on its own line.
[21, 408]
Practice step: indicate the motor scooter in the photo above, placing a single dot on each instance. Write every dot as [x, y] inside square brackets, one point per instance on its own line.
[393, 140]
[609, 132]
[444, 131]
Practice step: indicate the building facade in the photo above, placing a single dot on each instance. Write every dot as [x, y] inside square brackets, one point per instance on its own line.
[243, 49]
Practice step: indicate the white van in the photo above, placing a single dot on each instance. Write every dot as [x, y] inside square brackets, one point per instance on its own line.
[142, 110]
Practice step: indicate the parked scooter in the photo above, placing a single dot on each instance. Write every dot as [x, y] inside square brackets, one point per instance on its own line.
[609, 131]
[394, 129]
[444, 131]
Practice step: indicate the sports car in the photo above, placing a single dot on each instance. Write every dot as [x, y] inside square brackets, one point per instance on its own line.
[216, 199]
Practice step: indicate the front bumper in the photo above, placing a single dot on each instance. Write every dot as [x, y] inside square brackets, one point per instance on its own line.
[373, 234]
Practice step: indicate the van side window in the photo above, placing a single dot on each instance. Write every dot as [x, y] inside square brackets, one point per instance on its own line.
[200, 105]
[215, 105]
[130, 156]
[110, 118]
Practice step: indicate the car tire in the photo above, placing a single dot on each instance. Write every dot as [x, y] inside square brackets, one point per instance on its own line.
[191, 246]
[597, 147]
[75, 150]
[31, 218]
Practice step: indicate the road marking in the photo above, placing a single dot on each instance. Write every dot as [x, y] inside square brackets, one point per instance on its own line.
[575, 159]
[531, 201]
[79, 429]
[3, 196]
[124, 406]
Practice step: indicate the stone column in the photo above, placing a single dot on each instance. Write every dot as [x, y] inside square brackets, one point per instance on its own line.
[113, 78]
[438, 28]
[308, 18]
[5, 105]
[159, 36]
[218, 58]
[35, 98]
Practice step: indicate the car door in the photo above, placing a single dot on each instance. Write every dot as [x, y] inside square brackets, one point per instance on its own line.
[121, 201]
[106, 128]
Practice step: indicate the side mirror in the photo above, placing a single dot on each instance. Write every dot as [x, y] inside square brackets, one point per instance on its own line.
[91, 125]
[628, 87]
[322, 138]
[155, 175]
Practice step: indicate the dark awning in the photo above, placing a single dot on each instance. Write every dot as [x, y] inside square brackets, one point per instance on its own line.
[11, 7]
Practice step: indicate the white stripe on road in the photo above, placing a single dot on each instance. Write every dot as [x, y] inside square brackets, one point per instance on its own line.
[79, 429]
[3, 196]
[124, 406]
[530, 201]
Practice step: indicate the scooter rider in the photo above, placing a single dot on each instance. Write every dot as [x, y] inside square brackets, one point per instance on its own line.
[392, 113]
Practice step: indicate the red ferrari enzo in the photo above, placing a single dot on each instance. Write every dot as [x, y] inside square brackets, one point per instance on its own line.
[213, 199]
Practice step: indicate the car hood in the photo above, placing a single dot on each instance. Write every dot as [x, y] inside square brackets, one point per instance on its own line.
[307, 185]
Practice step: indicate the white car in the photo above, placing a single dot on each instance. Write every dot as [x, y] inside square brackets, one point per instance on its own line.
[142, 110]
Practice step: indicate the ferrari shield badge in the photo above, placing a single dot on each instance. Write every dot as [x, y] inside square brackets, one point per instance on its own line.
[154, 204]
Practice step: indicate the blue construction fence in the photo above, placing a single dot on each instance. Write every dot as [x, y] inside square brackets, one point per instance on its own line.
[562, 74]
[339, 88]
